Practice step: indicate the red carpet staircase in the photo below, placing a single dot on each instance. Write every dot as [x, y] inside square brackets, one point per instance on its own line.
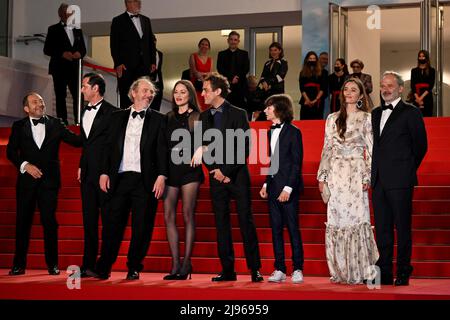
[431, 221]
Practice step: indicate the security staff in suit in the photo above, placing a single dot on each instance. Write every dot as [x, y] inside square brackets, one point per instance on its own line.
[229, 177]
[234, 64]
[132, 48]
[400, 144]
[95, 121]
[157, 79]
[33, 148]
[283, 185]
[133, 174]
[65, 46]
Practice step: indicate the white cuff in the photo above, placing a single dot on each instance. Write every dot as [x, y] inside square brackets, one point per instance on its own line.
[265, 186]
[280, 79]
[287, 189]
[22, 167]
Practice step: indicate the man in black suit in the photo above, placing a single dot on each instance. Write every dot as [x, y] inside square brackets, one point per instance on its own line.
[400, 144]
[133, 174]
[234, 64]
[283, 185]
[132, 48]
[33, 148]
[95, 120]
[65, 46]
[228, 177]
[157, 79]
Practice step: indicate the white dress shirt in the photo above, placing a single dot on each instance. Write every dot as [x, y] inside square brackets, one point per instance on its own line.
[89, 117]
[38, 133]
[137, 24]
[273, 144]
[387, 113]
[69, 31]
[131, 159]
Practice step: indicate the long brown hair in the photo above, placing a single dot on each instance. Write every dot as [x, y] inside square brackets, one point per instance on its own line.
[341, 121]
[427, 63]
[306, 70]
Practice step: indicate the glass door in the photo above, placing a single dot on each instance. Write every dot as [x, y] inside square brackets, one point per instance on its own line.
[338, 33]
[260, 40]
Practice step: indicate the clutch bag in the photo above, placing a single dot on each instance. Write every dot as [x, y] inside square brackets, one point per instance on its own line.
[325, 193]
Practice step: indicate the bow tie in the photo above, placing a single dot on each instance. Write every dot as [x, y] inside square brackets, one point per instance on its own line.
[214, 110]
[276, 126]
[135, 114]
[134, 16]
[37, 121]
[389, 106]
[94, 107]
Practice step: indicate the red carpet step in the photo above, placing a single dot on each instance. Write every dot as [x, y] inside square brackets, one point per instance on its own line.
[431, 218]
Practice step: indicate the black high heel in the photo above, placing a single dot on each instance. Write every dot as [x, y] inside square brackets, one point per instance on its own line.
[184, 275]
[171, 276]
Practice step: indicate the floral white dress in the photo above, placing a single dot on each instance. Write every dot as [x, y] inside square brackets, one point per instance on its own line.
[345, 166]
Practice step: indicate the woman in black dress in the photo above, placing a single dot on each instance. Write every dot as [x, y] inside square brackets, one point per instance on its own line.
[313, 86]
[422, 83]
[335, 82]
[274, 72]
[182, 177]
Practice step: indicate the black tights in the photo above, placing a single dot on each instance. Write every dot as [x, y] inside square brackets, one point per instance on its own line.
[189, 199]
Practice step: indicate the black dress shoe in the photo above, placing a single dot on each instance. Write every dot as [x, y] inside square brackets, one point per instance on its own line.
[53, 271]
[388, 281]
[102, 275]
[256, 276]
[16, 271]
[402, 280]
[88, 273]
[132, 275]
[225, 277]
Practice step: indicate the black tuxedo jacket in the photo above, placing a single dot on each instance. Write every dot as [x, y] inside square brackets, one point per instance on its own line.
[57, 42]
[240, 69]
[399, 150]
[21, 147]
[154, 160]
[232, 118]
[93, 146]
[127, 47]
[286, 162]
[158, 72]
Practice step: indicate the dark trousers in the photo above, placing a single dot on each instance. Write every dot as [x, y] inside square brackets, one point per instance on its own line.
[129, 194]
[60, 83]
[94, 205]
[156, 103]
[46, 200]
[282, 214]
[124, 83]
[221, 195]
[393, 208]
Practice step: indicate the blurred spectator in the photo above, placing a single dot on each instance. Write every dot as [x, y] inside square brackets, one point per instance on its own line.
[422, 83]
[313, 87]
[200, 64]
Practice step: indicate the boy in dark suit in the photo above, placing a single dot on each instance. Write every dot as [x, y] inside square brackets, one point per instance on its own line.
[399, 146]
[283, 185]
[33, 148]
